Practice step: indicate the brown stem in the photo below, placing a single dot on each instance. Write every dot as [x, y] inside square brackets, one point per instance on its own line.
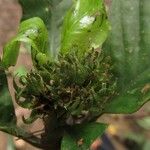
[51, 139]
[18, 132]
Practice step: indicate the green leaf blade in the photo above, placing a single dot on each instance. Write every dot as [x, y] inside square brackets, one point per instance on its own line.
[32, 32]
[129, 47]
[52, 13]
[85, 26]
[82, 136]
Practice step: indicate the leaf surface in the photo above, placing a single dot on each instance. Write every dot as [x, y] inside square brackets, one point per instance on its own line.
[52, 13]
[81, 137]
[85, 26]
[32, 32]
[129, 46]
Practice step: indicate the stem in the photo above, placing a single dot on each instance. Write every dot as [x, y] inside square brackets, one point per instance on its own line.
[20, 133]
[51, 139]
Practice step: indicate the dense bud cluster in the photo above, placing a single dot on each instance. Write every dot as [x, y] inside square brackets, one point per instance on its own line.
[76, 89]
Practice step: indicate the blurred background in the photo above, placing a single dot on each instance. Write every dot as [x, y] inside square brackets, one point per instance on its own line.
[125, 132]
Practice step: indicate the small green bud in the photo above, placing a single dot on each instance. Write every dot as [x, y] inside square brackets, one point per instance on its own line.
[41, 58]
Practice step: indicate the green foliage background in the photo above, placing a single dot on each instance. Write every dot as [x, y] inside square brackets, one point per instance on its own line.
[128, 45]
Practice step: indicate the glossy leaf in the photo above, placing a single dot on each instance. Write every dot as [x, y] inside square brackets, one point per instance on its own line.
[81, 136]
[52, 13]
[32, 32]
[129, 47]
[85, 26]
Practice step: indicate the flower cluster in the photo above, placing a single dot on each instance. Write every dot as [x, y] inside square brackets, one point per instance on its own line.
[75, 89]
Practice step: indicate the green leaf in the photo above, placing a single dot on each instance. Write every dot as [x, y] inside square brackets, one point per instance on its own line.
[85, 26]
[52, 13]
[32, 32]
[129, 47]
[80, 137]
[7, 113]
